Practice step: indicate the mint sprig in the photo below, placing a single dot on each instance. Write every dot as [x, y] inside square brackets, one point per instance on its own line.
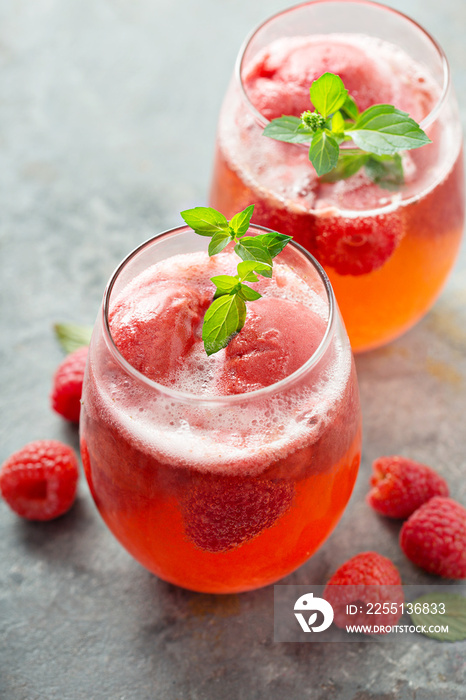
[380, 133]
[226, 315]
[72, 336]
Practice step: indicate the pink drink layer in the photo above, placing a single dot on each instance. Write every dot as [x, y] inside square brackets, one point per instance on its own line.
[156, 323]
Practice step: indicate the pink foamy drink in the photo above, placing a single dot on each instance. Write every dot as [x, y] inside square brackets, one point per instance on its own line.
[388, 234]
[224, 472]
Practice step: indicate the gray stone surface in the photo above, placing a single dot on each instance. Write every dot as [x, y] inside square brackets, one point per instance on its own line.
[108, 111]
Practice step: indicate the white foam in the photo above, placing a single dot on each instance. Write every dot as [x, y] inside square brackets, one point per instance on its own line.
[224, 439]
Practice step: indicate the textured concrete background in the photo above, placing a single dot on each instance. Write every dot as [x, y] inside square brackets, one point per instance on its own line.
[108, 111]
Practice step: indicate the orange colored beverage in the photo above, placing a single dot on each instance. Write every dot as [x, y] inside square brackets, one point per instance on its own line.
[220, 473]
[387, 252]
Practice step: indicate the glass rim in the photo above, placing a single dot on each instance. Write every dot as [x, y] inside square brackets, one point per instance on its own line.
[428, 119]
[200, 399]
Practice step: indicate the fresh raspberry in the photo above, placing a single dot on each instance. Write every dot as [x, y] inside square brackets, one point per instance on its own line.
[356, 246]
[434, 538]
[39, 481]
[366, 581]
[221, 513]
[400, 486]
[68, 385]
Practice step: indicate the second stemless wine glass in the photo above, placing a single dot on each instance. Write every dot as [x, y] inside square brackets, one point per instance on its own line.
[387, 251]
[220, 493]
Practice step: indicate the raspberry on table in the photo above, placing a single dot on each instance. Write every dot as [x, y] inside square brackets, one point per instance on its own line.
[39, 481]
[401, 485]
[68, 385]
[367, 581]
[434, 538]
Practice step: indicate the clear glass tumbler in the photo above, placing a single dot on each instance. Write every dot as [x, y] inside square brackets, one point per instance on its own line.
[387, 252]
[220, 493]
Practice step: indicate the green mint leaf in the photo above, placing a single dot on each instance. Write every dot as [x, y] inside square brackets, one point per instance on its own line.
[248, 294]
[225, 284]
[250, 277]
[251, 248]
[383, 129]
[205, 221]
[338, 124]
[218, 242]
[275, 242]
[239, 224]
[223, 319]
[328, 94]
[349, 162]
[247, 269]
[386, 171]
[289, 129]
[72, 336]
[350, 108]
[454, 616]
[323, 152]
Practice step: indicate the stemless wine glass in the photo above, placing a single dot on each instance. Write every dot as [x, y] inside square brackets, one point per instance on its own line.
[387, 252]
[221, 493]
